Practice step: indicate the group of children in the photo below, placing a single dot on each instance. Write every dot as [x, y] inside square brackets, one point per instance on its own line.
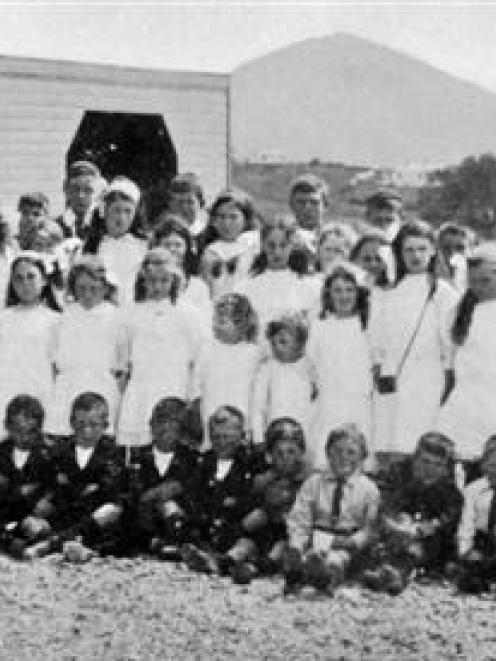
[248, 395]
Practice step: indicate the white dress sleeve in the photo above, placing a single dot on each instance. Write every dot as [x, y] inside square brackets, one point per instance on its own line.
[259, 402]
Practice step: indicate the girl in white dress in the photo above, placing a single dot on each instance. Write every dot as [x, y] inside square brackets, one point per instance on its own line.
[27, 327]
[339, 349]
[164, 336]
[285, 384]
[469, 414]
[171, 233]
[411, 343]
[119, 242]
[231, 241]
[274, 287]
[227, 362]
[89, 352]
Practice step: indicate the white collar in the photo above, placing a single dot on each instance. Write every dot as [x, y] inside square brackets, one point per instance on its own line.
[83, 456]
[20, 457]
[223, 468]
[162, 460]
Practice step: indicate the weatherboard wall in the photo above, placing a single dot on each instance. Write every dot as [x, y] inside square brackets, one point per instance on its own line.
[42, 103]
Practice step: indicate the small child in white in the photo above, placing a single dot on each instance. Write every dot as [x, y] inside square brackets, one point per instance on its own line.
[285, 384]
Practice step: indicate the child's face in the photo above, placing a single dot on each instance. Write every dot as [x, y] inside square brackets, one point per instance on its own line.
[482, 280]
[80, 192]
[24, 431]
[452, 243]
[30, 221]
[429, 468]
[370, 260]
[344, 457]
[285, 346]
[89, 426]
[277, 247]
[287, 458]
[417, 253]
[166, 434]
[176, 245]
[332, 249]
[383, 218]
[489, 467]
[186, 205]
[344, 295]
[89, 292]
[225, 327]
[119, 216]
[229, 221]
[28, 282]
[226, 437]
[308, 209]
[158, 283]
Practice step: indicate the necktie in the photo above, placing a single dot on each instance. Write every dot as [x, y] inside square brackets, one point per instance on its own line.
[491, 521]
[337, 499]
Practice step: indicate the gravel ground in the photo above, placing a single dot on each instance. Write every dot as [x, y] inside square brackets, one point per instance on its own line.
[124, 610]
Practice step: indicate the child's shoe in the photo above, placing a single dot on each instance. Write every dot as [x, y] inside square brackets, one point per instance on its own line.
[315, 572]
[242, 573]
[292, 568]
[386, 579]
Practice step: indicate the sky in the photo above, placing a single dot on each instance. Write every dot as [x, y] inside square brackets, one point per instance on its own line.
[459, 38]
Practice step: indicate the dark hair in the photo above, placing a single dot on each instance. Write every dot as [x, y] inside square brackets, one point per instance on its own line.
[98, 228]
[95, 270]
[287, 224]
[169, 408]
[371, 237]
[27, 405]
[224, 412]
[362, 303]
[140, 286]
[463, 318]
[310, 183]
[350, 431]
[241, 312]
[47, 295]
[417, 229]
[437, 444]
[241, 200]
[34, 200]
[284, 429]
[187, 183]
[88, 401]
[295, 322]
[172, 224]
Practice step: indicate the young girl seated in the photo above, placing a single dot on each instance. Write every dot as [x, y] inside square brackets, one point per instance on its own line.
[27, 331]
[421, 511]
[164, 337]
[476, 534]
[89, 350]
[334, 516]
[91, 482]
[285, 384]
[26, 479]
[119, 241]
[339, 349]
[160, 472]
[220, 492]
[226, 364]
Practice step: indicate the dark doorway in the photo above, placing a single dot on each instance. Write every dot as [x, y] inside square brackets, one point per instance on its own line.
[135, 145]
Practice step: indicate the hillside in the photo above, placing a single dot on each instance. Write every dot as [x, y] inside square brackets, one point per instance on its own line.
[345, 99]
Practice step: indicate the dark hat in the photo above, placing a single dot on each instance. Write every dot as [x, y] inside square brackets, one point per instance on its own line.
[384, 197]
[34, 200]
[438, 445]
[80, 168]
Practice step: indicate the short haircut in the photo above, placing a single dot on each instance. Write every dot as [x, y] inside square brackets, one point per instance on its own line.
[187, 183]
[295, 322]
[171, 409]
[38, 200]
[284, 429]
[309, 183]
[437, 444]
[348, 431]
[87, 401]
[224, 414]
[82, 168]
[28, 406]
